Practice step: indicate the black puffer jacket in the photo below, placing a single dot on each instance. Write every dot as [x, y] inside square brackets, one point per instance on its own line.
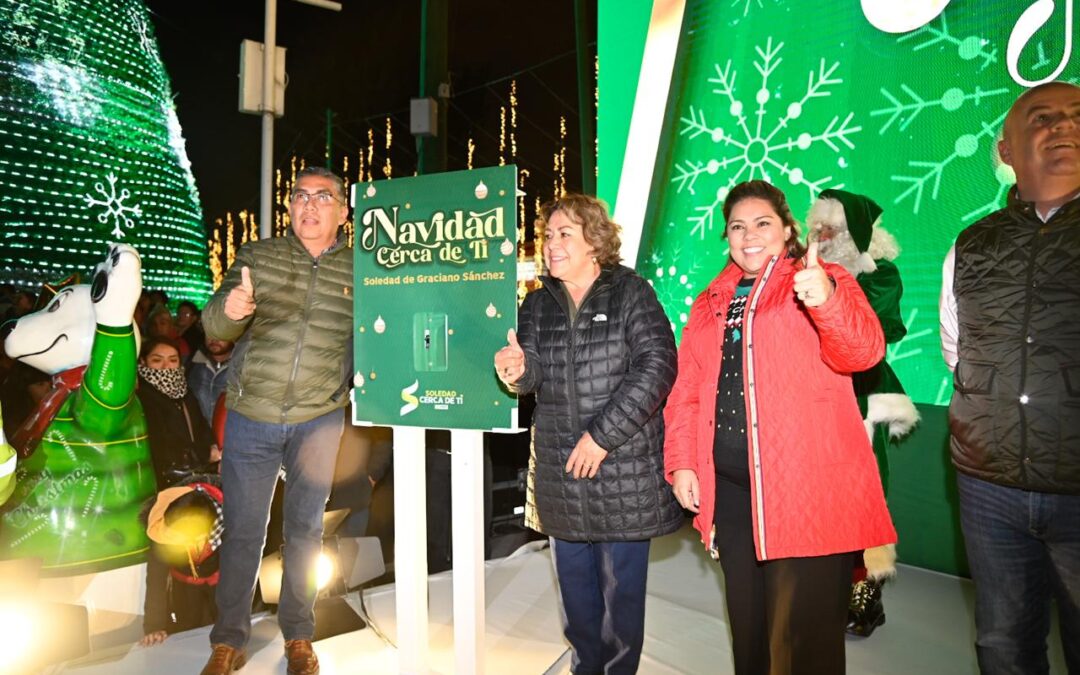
[608, 374]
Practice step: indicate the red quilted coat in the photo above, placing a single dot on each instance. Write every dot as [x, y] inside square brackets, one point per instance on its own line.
[814, 483]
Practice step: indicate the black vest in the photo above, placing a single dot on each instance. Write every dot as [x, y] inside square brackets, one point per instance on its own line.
[1015, 413]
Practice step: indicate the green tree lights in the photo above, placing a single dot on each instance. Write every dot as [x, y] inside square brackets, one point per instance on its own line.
[91, 149]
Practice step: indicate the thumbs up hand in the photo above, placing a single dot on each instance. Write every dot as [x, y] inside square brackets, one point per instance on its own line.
[510, 360]
[813, 286]
[240, 303]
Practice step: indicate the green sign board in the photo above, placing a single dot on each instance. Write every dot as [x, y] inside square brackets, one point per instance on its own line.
[436, 282]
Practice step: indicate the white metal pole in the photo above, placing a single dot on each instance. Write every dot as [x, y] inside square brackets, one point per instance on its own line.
[410, 550]
[467, 500]
[266, 171]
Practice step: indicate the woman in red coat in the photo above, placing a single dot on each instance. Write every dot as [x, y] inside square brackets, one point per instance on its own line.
[765, 443]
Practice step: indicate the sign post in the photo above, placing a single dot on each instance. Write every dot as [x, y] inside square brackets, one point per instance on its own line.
[436, 284]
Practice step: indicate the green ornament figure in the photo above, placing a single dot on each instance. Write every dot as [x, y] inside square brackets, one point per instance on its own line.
[84, 468]
[7, 465]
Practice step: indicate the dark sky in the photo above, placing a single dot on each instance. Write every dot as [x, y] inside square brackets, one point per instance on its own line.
[363, 63]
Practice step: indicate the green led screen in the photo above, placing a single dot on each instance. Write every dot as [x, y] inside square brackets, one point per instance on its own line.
[91, 149]
[810, 96]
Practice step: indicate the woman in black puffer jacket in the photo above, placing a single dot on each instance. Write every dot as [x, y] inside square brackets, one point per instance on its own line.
[596, 348]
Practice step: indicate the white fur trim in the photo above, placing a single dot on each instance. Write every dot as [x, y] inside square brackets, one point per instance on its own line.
[880, 562]
[896, 410]
[883, 245]
[864, 263]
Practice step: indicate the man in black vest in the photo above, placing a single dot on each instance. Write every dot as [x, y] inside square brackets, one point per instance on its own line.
[1010, 330]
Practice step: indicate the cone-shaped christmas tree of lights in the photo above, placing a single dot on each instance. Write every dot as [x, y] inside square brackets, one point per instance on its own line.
[91, 149]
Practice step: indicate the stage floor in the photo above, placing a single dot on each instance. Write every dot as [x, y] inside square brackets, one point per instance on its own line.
[929, 629]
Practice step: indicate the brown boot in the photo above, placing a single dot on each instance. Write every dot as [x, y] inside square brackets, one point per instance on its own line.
[224, 660]
[301, 656]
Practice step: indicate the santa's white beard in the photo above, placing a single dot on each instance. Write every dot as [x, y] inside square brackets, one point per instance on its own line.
[841, 249]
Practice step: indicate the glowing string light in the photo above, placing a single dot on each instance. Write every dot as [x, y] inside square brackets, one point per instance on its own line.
[502, 135]
[370, 152]
[388, 170]
[513, 119]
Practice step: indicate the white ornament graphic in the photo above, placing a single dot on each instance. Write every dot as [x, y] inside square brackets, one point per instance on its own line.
[901, 17]
[507, 247]
[491, 311]
[115, 208]
[380, 325]
[749, 149]
[481, 190]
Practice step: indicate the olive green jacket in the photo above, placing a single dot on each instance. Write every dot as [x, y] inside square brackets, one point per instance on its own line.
[293, 356]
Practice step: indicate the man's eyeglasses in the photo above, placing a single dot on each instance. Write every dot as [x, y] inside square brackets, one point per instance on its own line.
[321, 198]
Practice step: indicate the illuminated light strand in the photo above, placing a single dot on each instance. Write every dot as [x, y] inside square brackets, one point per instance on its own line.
[562, 158]
[513, 119]
[502, 135]
[388, 170]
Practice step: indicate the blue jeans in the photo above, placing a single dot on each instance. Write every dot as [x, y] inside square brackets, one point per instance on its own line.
[1023, 548]
[603, 603]
[253, 454]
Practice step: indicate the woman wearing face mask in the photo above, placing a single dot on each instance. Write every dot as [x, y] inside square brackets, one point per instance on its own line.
[180, 438]
[765, 443]
[180, 446]
[596, 348]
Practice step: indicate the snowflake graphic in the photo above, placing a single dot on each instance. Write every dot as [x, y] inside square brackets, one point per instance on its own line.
[968, 48]
[752, 149]
[114, 206]
[1005, 178]
[944, 393]
[952, 100]
[899, 350]
[746, 5]
[965, 146]
[676, 283]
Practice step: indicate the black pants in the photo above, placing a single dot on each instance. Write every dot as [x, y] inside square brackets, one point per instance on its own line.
[787, 616]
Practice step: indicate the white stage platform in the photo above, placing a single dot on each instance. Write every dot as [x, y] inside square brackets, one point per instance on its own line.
[930, 629]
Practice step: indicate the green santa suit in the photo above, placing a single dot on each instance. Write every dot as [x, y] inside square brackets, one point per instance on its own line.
[851, 235]
[863, 247]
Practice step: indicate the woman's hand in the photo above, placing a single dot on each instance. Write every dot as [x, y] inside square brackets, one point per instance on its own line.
[155, 638]
[215, 453]
[812, 285]
[687, 491]
[510, 360]
[585, 460]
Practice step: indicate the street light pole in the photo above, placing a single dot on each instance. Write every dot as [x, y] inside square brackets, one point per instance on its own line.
[266, 171]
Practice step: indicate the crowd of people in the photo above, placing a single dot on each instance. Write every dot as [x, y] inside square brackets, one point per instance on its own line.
[768, 425]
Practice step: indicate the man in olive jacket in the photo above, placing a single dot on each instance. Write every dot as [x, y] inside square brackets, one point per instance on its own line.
[287, 303]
